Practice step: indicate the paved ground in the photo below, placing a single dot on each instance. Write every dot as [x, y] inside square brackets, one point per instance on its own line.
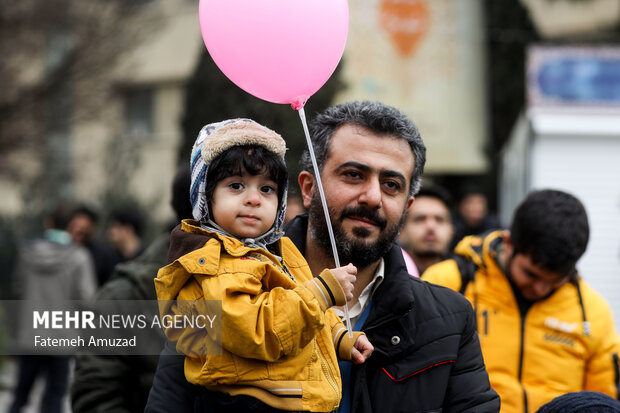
[8, 374]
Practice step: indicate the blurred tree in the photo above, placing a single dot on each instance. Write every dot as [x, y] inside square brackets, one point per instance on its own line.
[211, 97]
[54, 53]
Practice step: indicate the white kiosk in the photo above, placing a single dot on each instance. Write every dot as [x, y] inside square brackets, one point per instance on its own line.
[569, 139]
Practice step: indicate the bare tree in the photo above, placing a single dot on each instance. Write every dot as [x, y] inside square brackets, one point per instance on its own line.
[55, 69]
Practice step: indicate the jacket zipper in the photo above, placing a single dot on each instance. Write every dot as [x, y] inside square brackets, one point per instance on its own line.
[521, 350]
[330, 378]
[279, 260]
[286, 270]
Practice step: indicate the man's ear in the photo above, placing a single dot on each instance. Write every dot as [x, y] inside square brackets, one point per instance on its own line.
[306, 185]
[409, 203]
[507, 243]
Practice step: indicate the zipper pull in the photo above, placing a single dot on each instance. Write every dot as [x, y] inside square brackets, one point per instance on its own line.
[286, 270]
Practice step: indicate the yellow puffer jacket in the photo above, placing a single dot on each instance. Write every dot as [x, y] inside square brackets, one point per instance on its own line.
[277, 335]
[550, 352]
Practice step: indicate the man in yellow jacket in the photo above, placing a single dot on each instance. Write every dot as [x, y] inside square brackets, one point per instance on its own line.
[543, 330]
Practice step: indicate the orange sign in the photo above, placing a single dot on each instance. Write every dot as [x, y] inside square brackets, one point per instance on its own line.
[406, 21]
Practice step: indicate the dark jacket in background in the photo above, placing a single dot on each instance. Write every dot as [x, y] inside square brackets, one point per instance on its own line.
[104, 258]
[121, 383]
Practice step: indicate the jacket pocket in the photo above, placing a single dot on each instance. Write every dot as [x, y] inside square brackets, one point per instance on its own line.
[434, 354]
[420, 378]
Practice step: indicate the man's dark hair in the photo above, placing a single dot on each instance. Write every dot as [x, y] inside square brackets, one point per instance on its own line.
[374, 116]
[128, 216]
[438, 193]
[180, 193]
[60, 217]
[551, 228]
[86, 210]
[253, 159]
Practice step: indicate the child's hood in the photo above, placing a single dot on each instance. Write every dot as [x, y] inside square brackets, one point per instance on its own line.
[214, 139]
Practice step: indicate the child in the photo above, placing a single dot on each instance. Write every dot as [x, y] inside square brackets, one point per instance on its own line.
[279, 338]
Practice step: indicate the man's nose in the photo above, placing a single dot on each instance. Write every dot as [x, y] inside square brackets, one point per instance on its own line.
[371, 194]
[431, 224]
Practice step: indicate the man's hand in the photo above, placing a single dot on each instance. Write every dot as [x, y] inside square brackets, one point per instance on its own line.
[346, 276]
[362, 349]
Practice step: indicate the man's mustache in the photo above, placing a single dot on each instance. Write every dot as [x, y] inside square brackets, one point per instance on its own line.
[366, 213]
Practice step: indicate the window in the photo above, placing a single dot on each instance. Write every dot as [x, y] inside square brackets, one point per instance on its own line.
[139, 113]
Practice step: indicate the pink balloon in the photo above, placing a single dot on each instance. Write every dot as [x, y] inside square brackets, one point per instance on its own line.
[281, 51]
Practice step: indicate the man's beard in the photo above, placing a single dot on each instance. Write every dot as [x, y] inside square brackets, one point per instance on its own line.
[424, 252]
[352, 250]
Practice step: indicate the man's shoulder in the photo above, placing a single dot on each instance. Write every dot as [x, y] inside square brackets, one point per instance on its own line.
[296, 229]
[428, 300]
[121, 288]
[439, 299]
[446, 268]
[78, 250]
[454, 273]
[434, 311]
[593, 300]
[133, 280]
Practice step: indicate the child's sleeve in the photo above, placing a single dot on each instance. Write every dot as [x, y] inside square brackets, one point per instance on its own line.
[326, 290]
[342, 342]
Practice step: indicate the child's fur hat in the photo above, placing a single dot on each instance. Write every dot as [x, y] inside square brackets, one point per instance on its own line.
[213, 140]
[241, 132]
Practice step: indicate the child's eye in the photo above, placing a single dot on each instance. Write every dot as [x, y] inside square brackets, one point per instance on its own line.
[235, 185]
[267, 189]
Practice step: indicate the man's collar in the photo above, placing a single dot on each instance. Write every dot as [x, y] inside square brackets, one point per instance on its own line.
[356, 310]
[296, 230]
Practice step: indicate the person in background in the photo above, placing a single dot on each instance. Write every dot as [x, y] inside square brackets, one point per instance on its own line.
[125, 231]
[82, 228]
[428, 230]
[427, 356]
[51, 271]
[122, 383]
[544, 331]
[472, 216]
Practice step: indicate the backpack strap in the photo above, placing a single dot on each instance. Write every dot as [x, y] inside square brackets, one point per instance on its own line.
[467, 269]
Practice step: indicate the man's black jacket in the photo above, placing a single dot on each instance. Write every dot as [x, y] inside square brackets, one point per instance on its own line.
[427, 356]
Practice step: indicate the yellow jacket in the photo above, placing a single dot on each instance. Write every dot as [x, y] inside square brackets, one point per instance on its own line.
[549, 352]
[278, 335]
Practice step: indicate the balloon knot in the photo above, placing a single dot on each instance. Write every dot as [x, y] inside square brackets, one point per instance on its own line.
[298, 104]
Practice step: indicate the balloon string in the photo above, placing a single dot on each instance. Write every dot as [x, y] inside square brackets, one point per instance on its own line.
[317, 175]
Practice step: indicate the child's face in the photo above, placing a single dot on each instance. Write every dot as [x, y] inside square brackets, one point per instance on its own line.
[246, 206]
